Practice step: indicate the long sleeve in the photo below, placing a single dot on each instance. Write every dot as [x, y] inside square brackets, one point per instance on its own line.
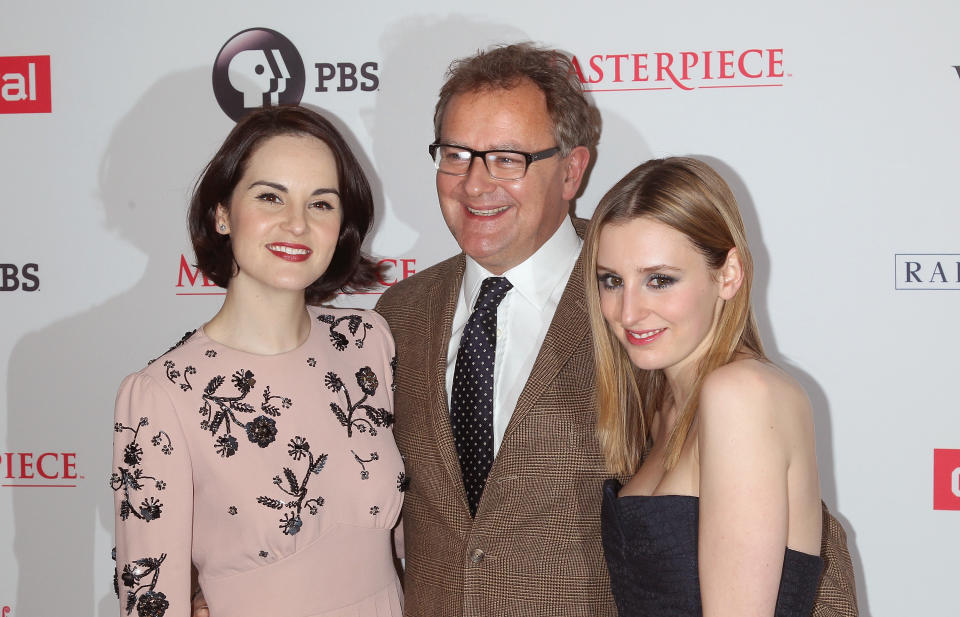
[153, 497]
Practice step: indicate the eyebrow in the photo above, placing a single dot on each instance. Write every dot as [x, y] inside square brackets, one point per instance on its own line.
[280, 187]
[643, 270]
[511, 147]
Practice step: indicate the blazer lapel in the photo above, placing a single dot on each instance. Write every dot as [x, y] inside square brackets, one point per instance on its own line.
[565, 335]
[438, 339]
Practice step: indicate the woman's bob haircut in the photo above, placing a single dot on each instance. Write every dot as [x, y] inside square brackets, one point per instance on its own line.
[349, 268]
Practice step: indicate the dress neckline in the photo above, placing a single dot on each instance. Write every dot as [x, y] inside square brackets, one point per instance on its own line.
[201, 331]
[612, 488]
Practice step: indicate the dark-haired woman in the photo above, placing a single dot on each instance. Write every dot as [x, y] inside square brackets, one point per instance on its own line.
[260, 447]
[722, 514]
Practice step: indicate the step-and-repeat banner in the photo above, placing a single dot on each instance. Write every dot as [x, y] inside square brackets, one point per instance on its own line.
[835, 123]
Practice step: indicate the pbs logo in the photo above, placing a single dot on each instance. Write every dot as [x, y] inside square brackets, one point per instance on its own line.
[256, 68]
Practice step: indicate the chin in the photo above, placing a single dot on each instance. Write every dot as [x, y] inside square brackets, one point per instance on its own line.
[480, 249]
[647, 361]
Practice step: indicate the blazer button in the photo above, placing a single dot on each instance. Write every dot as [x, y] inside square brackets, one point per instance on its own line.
[476, 556]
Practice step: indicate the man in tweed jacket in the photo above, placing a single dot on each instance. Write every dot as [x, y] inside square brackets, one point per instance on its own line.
[533, 547]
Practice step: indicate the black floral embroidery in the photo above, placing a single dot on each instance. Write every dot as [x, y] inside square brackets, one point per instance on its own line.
[375, 417]
[340, 340]
[296, 488]
[403, 482]
[226, 445]
[375, 510]
[166, 448]
[219, 411]
[148, 601]
[364, 474]
[210, 353]
[232, 510]
[269, 408]
[116, 574]
[262, 431]
[152, 604]
[298, 448]
[150, 508]
[367, 381]
[173, 374]
[132, 454]
[311, 362]
[264, 554]
[393, 374]
[182, 340]
[131, 478]
[333, 382]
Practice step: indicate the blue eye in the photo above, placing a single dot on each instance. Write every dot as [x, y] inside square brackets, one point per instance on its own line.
[660, 281]
[609, 281]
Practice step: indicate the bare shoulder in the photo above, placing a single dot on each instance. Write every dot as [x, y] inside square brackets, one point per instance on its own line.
[753, 391]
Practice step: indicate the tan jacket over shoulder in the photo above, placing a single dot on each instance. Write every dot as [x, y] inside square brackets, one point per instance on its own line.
[534, 547]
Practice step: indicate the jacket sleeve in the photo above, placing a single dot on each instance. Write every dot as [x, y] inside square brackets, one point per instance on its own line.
[837, 592]
[152, 484]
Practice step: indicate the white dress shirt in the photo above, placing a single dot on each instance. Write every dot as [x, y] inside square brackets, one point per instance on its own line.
[523, 318]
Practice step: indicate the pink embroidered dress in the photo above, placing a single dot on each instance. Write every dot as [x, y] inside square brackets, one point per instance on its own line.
[278, 476]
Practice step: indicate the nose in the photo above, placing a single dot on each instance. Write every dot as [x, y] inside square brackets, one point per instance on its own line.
[478, 180]
[295, 220]
[633, 307]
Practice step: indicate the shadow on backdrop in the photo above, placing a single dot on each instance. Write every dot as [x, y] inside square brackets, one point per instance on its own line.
[63, 378]
[818, 397]
[402, 126]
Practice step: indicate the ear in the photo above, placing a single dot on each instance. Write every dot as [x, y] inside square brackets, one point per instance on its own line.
[222, 220]
[730, 275]
[575, 165]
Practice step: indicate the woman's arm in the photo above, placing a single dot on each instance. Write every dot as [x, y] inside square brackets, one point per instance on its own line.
[747, 419]
[153, 498]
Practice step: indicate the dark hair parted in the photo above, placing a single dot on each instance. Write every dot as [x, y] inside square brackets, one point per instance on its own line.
[575, 121]
[349, 268]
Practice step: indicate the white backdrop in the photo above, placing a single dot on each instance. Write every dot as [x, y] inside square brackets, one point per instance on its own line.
[844, 155]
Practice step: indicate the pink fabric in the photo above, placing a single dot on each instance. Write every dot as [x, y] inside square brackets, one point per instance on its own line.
[212, 463]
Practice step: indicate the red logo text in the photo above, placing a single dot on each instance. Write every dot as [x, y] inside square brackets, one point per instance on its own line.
[399, 270]
[37, 470]
[197, 283]
[686, 70]
[25, 85]
[946, 479]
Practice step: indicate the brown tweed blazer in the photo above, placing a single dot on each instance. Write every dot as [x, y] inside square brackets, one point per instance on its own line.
[534, 547]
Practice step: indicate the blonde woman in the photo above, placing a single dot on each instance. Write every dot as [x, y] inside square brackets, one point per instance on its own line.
[721, 514]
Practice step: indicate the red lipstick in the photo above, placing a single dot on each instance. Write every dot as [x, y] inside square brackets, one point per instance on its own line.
[644, 337]
[290, 252]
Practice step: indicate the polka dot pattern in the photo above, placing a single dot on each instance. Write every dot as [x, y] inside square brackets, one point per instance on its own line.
[471, 399]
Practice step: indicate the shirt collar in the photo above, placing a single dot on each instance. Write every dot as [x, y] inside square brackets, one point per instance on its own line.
[537, 277]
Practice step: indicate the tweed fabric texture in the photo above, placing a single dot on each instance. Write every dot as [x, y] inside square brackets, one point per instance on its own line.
[471, 402]
[837, 593]
[534, 548]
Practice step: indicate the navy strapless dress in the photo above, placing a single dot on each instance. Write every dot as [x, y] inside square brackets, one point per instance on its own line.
[650, 544]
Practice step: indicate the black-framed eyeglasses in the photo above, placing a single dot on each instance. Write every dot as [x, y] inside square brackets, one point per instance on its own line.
[500, 164]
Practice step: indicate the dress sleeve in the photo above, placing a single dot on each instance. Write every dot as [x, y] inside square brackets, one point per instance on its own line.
[389, 357]
[152, 484]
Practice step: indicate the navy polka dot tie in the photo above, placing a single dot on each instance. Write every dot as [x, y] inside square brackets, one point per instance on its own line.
[471, 399]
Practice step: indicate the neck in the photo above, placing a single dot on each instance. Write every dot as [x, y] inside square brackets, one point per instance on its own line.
[260, 323]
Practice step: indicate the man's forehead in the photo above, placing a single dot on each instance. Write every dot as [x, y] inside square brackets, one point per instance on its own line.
[495, 117]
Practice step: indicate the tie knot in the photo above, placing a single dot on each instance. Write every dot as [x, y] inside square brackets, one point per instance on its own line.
[492, 291]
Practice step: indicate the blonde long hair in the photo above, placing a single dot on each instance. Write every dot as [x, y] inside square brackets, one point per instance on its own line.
[689, 196]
